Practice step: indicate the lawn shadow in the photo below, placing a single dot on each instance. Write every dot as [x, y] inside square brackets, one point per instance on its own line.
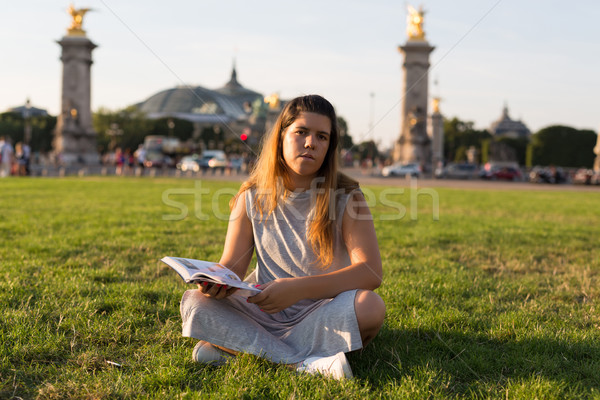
[466, 361]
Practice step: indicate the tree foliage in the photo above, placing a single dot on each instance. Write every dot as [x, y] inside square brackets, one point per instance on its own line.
[12, 125]
[127, 128]
[367, 149]
[346, 141]
[459, 136]
[564, 146]
[519, 145]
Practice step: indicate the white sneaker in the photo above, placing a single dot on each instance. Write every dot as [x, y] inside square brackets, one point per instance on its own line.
[335, 367]
[206, 353]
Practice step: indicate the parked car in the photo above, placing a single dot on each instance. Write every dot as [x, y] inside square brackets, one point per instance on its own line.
[154, 159]
[586, 176]
[213, 159]
[235, 163]
[501, 173]
[547, 175]
[189, 163]
[402, 170]
[458, 171]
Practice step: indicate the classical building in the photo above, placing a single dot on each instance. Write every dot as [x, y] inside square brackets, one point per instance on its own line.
[27, 110]
[75, 141]
[507, 127]
[233, 108]
[414, 143]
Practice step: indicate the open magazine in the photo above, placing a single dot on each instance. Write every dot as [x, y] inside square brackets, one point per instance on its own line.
[196, 271]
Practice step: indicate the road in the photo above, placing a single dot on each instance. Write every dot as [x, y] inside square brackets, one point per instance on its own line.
[365, 178]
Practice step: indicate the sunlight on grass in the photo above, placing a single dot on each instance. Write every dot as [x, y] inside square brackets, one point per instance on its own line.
[498, 298]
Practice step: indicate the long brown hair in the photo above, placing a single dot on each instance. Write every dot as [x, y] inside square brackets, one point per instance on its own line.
[271, 178]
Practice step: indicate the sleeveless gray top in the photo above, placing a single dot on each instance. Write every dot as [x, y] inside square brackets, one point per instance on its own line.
[280, 240]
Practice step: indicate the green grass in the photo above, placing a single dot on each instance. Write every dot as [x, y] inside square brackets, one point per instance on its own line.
[499, 298]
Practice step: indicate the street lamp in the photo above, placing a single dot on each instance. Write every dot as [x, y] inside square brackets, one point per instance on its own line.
[113, 132]
[372, 116]
[171, 126]
[26, 117]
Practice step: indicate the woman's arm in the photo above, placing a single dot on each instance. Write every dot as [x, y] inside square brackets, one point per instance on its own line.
[238, 250]
[239, 242]
[364, 271]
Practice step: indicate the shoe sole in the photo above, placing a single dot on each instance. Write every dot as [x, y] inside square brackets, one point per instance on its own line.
[345, 366]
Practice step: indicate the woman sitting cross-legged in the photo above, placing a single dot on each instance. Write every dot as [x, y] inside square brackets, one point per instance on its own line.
[317, 256]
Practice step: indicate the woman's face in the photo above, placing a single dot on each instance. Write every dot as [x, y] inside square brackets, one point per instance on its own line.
[305, 144]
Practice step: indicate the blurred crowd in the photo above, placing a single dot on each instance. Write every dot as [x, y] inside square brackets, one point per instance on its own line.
[14, 160]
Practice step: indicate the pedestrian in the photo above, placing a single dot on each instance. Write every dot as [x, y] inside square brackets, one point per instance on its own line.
[6, 156]
[318, 260]
[27, 159]
[119, 161]
[129, 161]
[20, 159]
[140, 156]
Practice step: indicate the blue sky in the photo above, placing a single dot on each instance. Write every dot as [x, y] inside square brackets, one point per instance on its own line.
[541, 57]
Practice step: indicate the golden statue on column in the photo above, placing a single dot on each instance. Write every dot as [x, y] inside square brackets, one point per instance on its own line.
[414, 27]
[273, 101]
[435, 104]
[76, 24]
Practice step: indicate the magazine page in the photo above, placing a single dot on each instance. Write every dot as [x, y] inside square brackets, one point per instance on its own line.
[197, 268]
[194, 271]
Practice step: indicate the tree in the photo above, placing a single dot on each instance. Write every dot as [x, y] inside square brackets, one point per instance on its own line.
[346, 141]
[367, 149]
[124, 128]
[42, 130]
[518, 145]
[133, 126]
[564, 146]
[459, 136]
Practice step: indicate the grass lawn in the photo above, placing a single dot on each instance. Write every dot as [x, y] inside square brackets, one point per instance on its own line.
[499, 298]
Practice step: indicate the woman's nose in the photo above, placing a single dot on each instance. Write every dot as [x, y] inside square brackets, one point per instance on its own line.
[308, 142]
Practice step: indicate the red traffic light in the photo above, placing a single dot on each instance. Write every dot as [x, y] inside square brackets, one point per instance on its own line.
[245, 133]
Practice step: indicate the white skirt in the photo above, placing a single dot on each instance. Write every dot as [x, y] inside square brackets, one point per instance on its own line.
[308, 328]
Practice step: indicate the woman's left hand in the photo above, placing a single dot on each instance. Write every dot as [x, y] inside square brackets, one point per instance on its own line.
[277, 295]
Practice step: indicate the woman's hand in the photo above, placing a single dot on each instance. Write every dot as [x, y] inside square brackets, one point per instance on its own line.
[277, 295]
[215, 290]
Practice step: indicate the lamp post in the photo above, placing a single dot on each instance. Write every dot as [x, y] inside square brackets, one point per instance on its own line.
[26, 117]
[113, 132]
[372, 116]
[171, 125]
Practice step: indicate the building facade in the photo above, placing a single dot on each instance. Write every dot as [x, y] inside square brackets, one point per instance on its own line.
[505, 126]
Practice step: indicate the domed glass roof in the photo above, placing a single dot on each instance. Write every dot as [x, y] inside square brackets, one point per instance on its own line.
[505, 126]
[27, 110]
[199, 104]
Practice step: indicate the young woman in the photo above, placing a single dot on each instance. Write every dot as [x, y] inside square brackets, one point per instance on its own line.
[317, 256]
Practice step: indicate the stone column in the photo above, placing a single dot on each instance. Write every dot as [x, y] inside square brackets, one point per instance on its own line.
[414, 144]
[75, 141]
[436, 136]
